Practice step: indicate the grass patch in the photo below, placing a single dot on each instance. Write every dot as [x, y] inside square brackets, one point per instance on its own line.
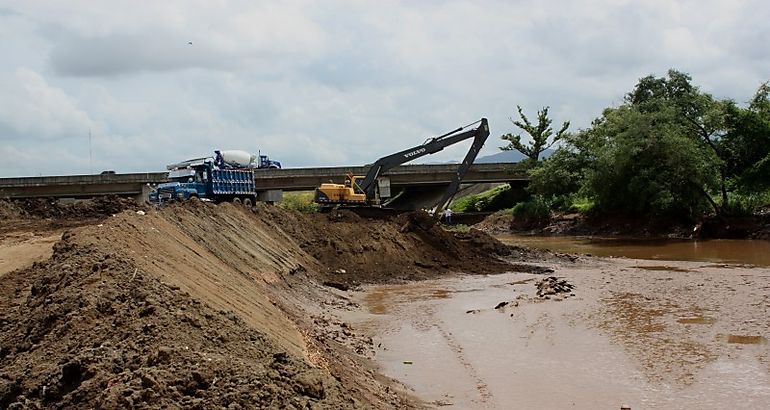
[301, 201]
[581, 204]
[492, 200]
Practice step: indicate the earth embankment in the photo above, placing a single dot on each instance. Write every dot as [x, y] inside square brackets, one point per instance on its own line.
[198, 305]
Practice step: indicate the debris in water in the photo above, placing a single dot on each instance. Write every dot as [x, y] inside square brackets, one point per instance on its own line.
[553, 286]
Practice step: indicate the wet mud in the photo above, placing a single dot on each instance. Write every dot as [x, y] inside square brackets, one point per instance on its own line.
[688, 336]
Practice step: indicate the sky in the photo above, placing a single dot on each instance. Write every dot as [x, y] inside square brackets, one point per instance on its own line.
[131, 86]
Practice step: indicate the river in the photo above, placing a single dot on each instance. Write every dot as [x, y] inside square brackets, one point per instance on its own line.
[642, 330]
[732, 251]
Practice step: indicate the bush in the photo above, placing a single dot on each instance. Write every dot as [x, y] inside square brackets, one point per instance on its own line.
[535, 212]
[580, 204]
[299, 201]
[745, 204]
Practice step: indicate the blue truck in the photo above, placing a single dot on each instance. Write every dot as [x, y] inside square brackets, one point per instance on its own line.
[228, 176]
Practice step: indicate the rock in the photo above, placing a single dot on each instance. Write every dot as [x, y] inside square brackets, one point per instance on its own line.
[140, 212]
[501, 305]
[337, 285]
[309, 383]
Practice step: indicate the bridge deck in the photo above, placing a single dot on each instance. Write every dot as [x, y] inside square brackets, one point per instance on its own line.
[290, 179]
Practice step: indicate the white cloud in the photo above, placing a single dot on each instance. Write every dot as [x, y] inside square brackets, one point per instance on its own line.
[339, 82]
[30, 107]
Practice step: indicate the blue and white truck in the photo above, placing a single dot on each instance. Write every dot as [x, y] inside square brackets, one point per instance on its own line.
[228, 176]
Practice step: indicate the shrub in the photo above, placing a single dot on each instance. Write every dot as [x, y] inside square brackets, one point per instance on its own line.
[534, 212]
[745, 204]
[299, 201]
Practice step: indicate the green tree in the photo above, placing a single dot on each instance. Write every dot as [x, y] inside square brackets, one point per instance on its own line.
[695, 114]
[668, 149]
[539, 133]
[747, 142]
[645, 163]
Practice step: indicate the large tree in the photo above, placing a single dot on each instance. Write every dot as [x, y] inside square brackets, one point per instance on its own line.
[747, 142]
[669, 148]
[698, 115]
[539, 133]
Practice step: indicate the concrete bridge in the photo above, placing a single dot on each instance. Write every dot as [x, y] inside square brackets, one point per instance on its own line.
[290, 179]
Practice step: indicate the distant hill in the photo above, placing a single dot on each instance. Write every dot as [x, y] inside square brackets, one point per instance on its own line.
[508, 156]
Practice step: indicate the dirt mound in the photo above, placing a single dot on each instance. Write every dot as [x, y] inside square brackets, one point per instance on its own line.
[202, 305]
[89, 208]
[498, 222]
[9, 210]
[356, 250]
[90, 329]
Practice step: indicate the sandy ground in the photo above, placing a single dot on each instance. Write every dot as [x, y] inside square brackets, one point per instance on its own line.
[18, 250]
[648, 334]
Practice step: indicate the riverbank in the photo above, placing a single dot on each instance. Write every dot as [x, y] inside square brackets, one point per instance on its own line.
[573, 224]
[649, 334]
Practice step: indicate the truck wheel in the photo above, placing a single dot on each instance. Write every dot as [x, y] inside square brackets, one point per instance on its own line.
[247, 202]
[237, 201]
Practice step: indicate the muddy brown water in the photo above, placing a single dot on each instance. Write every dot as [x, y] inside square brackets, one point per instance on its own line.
[732, 251]
[445, 340]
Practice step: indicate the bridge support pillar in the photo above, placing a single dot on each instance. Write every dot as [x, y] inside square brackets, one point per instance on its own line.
[144, 195]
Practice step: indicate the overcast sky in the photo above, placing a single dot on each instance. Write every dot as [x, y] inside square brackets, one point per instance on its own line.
[323, 83]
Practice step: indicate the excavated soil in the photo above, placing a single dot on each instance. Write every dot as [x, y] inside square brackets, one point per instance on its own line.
[41, 214]
[204, 306]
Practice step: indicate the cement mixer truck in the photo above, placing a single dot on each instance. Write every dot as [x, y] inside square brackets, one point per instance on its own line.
[228, 176]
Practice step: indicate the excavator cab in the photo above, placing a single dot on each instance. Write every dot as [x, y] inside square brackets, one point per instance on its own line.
[340, 194]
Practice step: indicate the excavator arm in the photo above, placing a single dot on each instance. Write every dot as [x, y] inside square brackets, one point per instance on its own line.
[363, 191]
[479, 134]
[478, 141]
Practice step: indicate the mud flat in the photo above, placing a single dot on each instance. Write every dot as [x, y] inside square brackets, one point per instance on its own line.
[648, 334]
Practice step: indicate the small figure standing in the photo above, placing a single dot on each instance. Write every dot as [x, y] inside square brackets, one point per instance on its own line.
[448, 216]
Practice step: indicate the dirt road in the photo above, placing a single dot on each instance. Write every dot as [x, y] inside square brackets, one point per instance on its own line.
[673, 335]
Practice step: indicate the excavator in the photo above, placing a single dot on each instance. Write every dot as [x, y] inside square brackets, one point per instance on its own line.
[363, 191]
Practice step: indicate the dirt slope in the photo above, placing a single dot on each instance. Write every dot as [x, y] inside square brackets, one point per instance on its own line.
[198, 305]
[89, 329]
[380, 251]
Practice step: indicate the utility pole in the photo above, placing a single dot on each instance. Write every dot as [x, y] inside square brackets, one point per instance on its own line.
[90, 154]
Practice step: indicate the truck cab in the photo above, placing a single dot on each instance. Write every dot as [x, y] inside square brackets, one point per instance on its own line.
[266, 162]
[184, 183]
